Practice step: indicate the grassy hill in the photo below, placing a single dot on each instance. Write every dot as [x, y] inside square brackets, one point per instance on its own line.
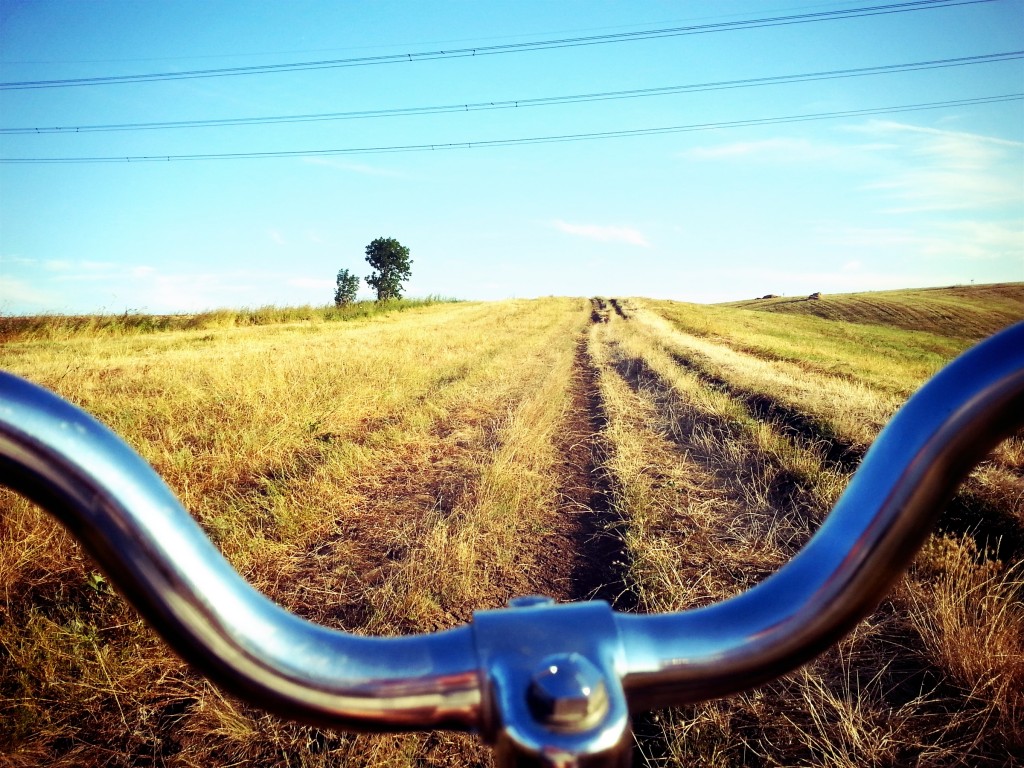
[961, 311]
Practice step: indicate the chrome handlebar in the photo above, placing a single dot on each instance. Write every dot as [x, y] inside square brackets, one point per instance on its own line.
[547, 684]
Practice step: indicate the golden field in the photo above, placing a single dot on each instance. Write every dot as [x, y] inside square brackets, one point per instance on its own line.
[390, 472]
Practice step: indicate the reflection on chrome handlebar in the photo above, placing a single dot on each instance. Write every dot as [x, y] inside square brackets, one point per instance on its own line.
[547, 684]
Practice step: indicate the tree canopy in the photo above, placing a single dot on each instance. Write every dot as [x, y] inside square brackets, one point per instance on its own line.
[348, 287]
[392, 266]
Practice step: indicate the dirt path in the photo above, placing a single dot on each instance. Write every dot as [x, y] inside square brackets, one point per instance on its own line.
[583, 559]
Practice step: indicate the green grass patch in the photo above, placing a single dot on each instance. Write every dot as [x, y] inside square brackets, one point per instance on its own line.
[884, 356]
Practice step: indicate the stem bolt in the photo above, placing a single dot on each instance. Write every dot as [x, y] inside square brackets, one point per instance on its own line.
[568, 693]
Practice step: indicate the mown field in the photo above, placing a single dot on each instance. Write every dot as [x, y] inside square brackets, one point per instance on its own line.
[392, 472]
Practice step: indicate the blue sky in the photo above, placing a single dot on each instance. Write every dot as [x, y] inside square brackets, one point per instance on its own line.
[899, 198]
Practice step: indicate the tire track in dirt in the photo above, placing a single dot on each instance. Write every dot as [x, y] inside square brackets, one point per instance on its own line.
[584, 559]
[619, 309]
[576, 555]
[603, 562]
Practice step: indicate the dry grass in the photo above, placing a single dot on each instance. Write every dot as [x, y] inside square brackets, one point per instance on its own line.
[735, 358]
[712, 496]
[696, 474]
[969, 614]
[392, 473]
[367, 476]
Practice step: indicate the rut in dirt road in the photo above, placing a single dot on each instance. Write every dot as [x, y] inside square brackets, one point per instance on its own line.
[619, 309]
[598, 310]
[601, 567]
[586, 559]
[601, 561]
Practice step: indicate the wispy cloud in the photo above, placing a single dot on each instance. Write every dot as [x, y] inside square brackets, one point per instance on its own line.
[909, 168]
[969, 239]
[603, 233]
[939, 170]
[773, 150]
[277, 237]
[785, 150]
[21, 294]
[15, 259]
[890, 127]
[82, 270]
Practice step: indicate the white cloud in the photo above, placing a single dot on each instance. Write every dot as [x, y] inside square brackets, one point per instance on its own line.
[977, 240]
[937, 170]
[276, 236]
[603, 233]
[949, 189]
[906, 168]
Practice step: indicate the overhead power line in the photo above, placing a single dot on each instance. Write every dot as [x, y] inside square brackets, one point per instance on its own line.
[490, 50]
[807, 117]
[531, 102]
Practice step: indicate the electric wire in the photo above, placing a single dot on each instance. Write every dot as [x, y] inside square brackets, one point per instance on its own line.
[562, 138]
[490, 50]
[530, 102]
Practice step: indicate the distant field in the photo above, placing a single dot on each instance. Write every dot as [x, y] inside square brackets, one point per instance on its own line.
[394, 472]
[26, 327]
[961, 311]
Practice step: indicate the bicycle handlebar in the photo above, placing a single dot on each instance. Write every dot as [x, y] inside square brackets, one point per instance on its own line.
[547, 684]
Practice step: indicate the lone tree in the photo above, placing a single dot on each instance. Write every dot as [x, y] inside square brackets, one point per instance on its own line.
[391, 263]
[348, 286]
